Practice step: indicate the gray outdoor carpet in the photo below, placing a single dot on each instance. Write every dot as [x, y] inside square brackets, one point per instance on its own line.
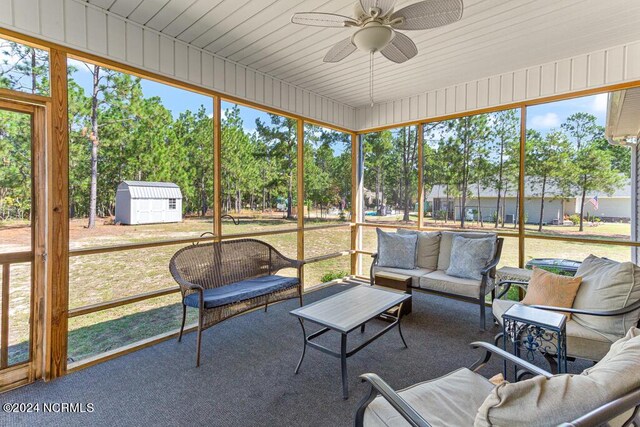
[246, 376]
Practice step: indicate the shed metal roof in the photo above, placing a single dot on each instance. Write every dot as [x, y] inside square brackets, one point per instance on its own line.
[151, 190]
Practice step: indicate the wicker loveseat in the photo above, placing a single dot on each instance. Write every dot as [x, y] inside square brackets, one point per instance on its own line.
[223, 279]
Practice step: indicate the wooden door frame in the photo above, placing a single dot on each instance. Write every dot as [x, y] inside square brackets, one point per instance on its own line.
[27, 372]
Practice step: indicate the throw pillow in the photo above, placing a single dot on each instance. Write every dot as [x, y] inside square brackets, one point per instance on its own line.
[470, 256]
[396, 250]
[546, 288]
[607, 285]
[446, 242]
[564, 397]
[428, 247]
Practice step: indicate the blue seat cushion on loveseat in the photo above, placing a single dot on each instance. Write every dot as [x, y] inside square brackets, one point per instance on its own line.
[241, 291]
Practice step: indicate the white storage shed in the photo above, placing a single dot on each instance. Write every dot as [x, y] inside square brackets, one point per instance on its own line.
[141, 202]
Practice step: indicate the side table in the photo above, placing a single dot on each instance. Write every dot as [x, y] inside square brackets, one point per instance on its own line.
[399, 282]
[536, 330]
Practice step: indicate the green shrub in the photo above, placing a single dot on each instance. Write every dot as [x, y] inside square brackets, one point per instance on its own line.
[333, 276]
[575, 219]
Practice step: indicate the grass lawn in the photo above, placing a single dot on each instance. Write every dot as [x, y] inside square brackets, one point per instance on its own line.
[104, 277]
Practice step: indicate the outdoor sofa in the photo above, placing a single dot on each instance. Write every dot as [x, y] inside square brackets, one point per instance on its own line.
[437, 268]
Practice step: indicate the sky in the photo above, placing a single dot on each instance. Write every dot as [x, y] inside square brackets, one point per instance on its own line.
[174, 99]
[543, 117]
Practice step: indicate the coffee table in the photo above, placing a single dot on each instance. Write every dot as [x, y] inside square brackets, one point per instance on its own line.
[345, 312]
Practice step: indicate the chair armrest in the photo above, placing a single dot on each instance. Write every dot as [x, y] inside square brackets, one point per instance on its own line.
[378, 386]
[602, 313]
[492, 349]
[296, 263]
[493, 264]
[609, 411]
[509, 283]
[373, 264]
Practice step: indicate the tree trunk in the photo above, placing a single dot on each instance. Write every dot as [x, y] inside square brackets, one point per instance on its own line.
[377, 198]
[446, 209]
[465, 173]
[382, 204]
[584, 194]
[93, 139]
[407, 201]
[290, 197]
[517, 218]
[500, 182]
[34, 80]
[544, 185]
[480, 209]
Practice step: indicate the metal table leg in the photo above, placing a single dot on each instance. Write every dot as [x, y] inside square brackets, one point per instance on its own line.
[304, 348]
[400, 328]
[343, 366]
[504, 347]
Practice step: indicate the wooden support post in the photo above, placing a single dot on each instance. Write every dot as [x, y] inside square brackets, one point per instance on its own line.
[57, 292]
[523, 138]
[217, 167]
[420, 130]
[300, 204]
[354, 203]
[4, 322]
[38, 238]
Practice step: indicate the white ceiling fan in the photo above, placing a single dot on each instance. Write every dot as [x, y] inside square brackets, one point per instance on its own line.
[378, 27]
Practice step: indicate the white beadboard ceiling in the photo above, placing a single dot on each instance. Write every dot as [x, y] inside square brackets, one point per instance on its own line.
[493, 37]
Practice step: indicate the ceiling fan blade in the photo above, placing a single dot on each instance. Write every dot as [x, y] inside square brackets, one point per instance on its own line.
[340, 50]
[319, 19]
[427, 14]
[385, 6]
[400, 49]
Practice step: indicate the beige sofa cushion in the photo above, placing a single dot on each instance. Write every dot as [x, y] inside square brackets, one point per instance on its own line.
[416, 273]
[428, 247]
[452, 400]
[439, 281]
[607, 285]
[562, 398]
[446, 242]
[582, 342]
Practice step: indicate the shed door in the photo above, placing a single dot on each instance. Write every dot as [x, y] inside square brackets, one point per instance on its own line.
[143, 211]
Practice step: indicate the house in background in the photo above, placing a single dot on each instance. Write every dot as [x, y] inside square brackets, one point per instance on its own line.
[140, 202]
[614, 207]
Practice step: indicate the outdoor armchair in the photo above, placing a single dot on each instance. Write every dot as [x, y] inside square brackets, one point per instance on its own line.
[582, 342]
[224, 279]
[466, 398]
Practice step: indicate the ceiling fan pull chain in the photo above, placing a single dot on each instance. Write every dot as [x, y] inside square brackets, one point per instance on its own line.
[371, 77]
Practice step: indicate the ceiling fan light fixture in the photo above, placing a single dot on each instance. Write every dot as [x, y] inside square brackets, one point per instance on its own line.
[373, 37]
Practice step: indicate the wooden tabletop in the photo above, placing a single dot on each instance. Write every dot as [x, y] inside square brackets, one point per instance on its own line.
[392, 276]
[348, 310]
